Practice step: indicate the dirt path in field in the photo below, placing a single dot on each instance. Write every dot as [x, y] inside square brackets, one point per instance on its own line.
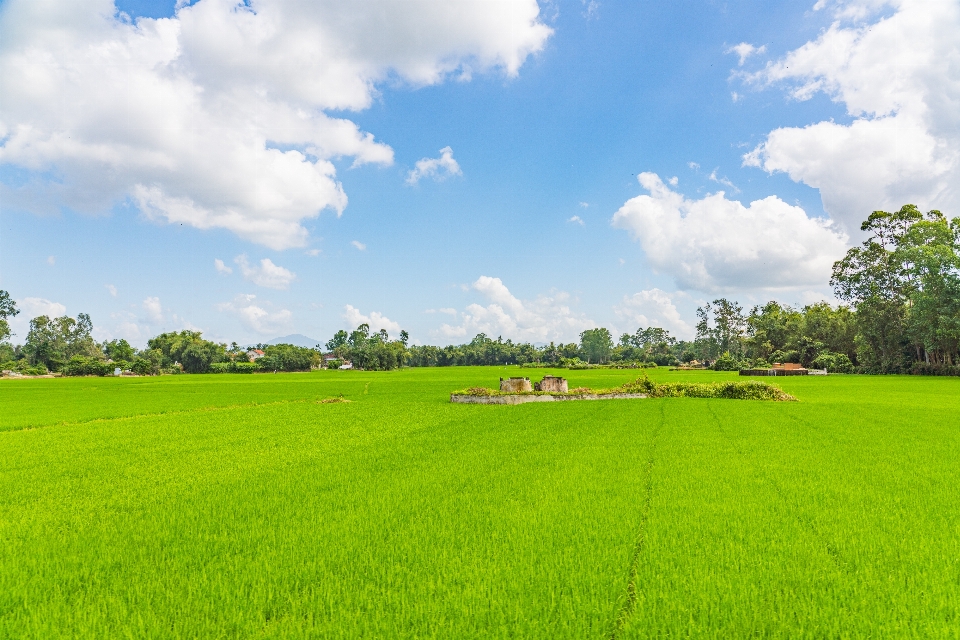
[630, 602]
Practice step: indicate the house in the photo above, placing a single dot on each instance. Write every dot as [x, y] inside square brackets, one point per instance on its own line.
[254, 354]
[346, 365]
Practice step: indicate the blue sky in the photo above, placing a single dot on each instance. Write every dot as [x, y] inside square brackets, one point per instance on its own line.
[523, 239]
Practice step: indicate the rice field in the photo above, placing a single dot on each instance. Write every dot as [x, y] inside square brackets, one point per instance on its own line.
[235, 506]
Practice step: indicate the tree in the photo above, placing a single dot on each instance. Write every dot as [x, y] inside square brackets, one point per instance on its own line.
[903, 283]
[117, 350]
[8, 309]
[596, 345]
[189, 349]
[720, 329]
[52, 342]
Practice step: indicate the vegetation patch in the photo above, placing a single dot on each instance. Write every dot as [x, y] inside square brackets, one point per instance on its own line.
[730, 390]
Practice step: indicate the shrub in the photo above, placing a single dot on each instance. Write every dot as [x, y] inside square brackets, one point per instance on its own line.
[833, 362]
[928, 369]
[143, 367]
[726, 362]
[234, 367]
[87, 366]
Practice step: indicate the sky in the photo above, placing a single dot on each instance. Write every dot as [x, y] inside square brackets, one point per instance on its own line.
[522, 168]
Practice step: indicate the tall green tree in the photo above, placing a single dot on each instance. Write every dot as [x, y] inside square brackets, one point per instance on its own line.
[596, 345]
[8, 309]
[52, 342]
[903, 283]
[721, 327]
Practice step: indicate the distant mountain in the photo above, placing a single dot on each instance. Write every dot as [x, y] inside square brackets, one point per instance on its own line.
[297, 339]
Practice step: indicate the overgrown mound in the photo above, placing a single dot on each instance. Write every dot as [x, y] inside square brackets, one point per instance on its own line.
[731, 390]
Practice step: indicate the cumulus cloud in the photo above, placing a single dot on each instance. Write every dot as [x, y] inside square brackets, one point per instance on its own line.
[359, 246]
[154, 309]
[375, 320]
[716, 244]
[899, 80]
[255, 317]
[437, 168]
[744, 50]
[34, 307]
[266, 274]
[217, 117]
[112, 289]
[576, 219]
[221, 268]
[545, 318]
[654, 308]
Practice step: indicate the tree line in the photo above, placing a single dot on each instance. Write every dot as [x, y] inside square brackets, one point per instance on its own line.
[900, 313]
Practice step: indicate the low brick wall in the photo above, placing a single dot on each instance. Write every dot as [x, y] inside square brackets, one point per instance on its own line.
[523, 398]
[515, 385]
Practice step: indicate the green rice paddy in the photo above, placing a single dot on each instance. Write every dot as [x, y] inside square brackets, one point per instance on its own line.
[242, 507]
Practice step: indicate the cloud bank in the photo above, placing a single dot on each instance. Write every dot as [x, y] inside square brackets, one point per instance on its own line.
[545, 318]
[715, 244]
[216, 117]
[899, 78]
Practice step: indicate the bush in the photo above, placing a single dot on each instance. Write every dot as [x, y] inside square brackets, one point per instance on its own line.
[927, 369]
[833, 362]
[86, 366]
[234, 367]
[37, 370]
[143, 367]
[726, 362]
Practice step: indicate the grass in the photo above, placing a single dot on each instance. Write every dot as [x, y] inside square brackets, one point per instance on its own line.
[246, 506]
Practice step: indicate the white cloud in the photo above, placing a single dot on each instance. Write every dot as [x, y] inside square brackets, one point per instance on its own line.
[446, 310]
[899, 79]
[112, 289]
[719, 180]
[693, 165]
[220, 267]
[359, 245]
[744, 50]
[154, 309]
[584, 204]
[35, 307]
[654, 308]
[51, 260]
[717, 244]
[545, 318]
[375, 320]
[437, 168]
[313, 253]
[576, 219]
[216, 117]
[266, 274]
[255, 317]
[674, 181]
[591, 9]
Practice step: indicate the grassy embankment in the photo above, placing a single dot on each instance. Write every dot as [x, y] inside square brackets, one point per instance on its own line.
[238, 506]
